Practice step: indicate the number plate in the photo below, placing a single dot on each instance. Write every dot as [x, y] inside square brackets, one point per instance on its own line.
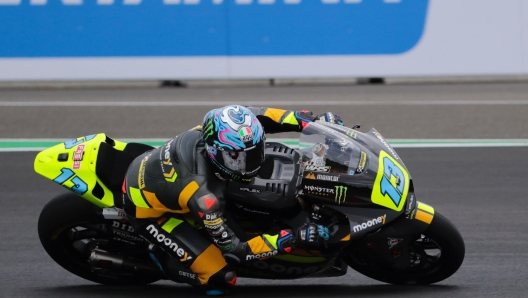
[392, 183]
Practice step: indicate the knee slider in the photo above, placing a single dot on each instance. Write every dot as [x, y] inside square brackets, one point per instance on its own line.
[224, 278]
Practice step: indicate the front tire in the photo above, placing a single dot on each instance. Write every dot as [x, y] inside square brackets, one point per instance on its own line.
[441, 238]
[67, 215]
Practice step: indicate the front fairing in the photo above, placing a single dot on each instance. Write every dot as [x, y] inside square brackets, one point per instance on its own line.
[346, 167]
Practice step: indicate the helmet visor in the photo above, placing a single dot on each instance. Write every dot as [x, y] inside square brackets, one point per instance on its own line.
[245, 162]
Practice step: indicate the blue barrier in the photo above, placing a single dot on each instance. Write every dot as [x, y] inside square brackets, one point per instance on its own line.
[124, 28]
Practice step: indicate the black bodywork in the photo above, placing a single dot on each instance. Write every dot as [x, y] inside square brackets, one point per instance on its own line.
[355, 221]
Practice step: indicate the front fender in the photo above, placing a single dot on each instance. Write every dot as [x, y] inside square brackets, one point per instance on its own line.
[390, 245]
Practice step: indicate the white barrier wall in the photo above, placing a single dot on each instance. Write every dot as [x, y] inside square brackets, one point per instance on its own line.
[208, 39]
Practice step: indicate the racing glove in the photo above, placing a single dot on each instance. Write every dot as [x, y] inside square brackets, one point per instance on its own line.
[312, 235]
[304, 117]
[329, 117]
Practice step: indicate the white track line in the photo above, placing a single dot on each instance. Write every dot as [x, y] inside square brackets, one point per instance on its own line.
[258, 103]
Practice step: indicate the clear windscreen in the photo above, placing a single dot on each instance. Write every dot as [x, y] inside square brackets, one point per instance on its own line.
[328, 151]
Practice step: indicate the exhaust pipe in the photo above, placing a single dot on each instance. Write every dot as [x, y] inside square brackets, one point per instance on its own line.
[103, 260]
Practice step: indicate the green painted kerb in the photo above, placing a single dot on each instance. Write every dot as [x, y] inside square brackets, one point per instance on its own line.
[7, 145]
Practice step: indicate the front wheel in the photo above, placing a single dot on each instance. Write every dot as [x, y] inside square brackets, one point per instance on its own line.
[69, 228]
[434, 256]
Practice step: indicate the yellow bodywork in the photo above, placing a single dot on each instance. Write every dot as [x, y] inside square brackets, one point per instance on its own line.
[392, 183]
[77, 171]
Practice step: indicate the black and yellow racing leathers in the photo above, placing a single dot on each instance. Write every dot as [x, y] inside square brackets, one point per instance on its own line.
[176, 180]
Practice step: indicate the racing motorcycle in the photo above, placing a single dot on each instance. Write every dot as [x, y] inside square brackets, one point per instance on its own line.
[352, 182]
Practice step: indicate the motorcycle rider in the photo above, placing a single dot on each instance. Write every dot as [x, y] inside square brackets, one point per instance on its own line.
[186, 176]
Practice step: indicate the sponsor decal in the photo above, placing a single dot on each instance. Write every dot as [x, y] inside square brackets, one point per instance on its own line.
[122, 230]
[352, 134]
[212, 227]
[340, 194]
[167, 242]
[413, 213]
[78, 156]
[218, 231]
[382, 140]
[396, 253]
[251, 210]
[165, 154]
[141, 177]
[209, 202]
[72, 143]
[245, 134]
[224, 242]
[250, 172]
[123, 226]
[220, 177]
[208, 130]
[362, 162]
[252, 190]
[310, 176]
[392, 242]
[315, 168]
[328, 177]
[127, 236]
[410, 203]
[210, 216]
[317, 190]
[227, 247]
[288, 270]
[233, 176]
[200, 214]
[212, 150]
[166, 162]
[373, 222]
[187, 274]
[262, 255]
[215, 222]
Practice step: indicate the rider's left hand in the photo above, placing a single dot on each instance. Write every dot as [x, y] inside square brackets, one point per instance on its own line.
[329, 117]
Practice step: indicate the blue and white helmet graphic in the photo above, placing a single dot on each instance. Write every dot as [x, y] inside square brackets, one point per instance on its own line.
[234, 140]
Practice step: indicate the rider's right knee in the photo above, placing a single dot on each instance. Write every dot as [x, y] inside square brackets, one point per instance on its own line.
[224, 278]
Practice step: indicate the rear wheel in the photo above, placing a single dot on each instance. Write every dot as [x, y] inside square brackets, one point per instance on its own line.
[434, 256]
[69, 228]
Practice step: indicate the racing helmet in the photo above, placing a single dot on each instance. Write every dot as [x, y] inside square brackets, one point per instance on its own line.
[234, 140]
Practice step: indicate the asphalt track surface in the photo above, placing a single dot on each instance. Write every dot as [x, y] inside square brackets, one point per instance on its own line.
[481, 190]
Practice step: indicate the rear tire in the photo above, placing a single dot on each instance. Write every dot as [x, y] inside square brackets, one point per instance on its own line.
[440, 233]
[62, 215]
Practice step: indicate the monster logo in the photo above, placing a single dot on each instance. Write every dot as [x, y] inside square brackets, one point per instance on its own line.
[340, 195]
[208, 129]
